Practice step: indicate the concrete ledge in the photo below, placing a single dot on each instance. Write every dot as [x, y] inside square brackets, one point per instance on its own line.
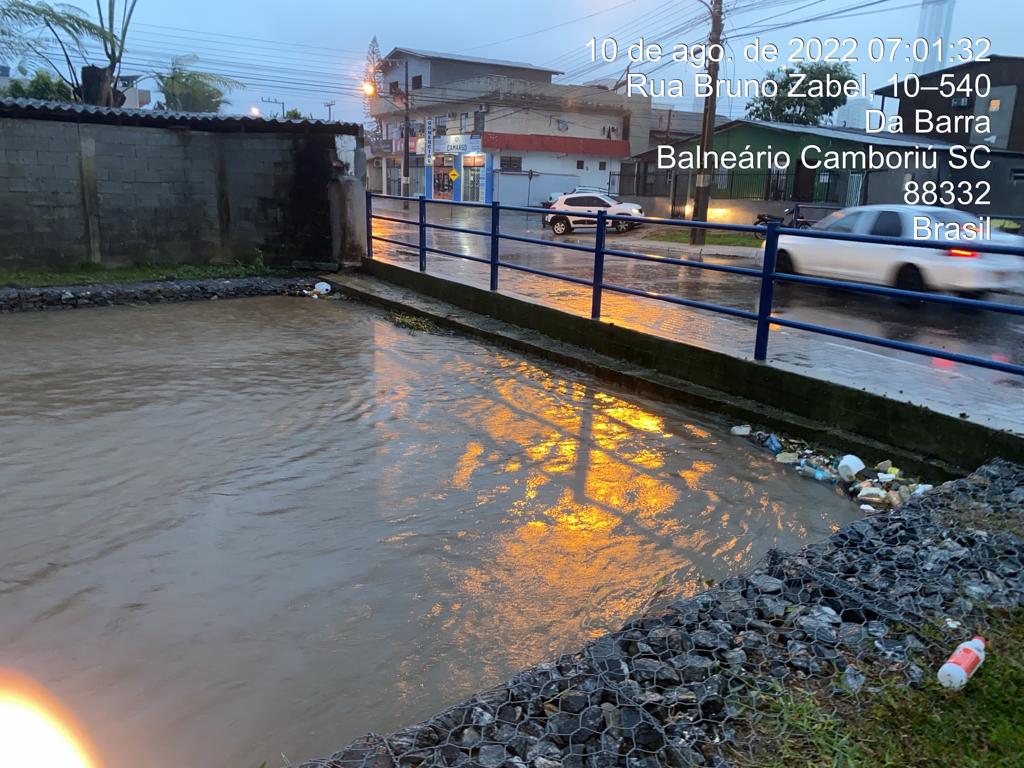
[812, 408]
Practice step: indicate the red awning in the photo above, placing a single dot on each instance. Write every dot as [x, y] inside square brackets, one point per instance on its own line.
[569, 145]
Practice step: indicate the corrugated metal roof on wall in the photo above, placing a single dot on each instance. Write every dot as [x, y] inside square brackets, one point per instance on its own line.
[200, 121]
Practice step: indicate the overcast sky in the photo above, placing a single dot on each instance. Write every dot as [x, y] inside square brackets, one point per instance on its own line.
[305, 52]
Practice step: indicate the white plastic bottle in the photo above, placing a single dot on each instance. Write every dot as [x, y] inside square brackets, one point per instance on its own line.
[962, 664]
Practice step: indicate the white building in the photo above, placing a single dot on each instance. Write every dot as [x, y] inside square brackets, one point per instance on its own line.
[483, 130]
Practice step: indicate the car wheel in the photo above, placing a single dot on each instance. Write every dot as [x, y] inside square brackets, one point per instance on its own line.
[561, 226]
[909, 278]
[784, 263]
[621, 226]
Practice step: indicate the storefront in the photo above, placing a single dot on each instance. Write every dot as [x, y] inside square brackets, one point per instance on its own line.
[456, 168]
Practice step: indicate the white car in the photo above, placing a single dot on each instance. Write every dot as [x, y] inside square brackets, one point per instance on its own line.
[575, 191]
[964, 268]
[562, 221]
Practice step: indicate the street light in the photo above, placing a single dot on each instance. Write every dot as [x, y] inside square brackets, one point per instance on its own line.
[254, 111]
[369, 88]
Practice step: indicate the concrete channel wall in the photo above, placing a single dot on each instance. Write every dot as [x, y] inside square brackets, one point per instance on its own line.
[810, 408]
[117, 187]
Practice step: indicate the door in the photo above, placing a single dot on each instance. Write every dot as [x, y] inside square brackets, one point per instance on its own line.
[585, 204]
[803, 184]
[830, 258]
[874, 261]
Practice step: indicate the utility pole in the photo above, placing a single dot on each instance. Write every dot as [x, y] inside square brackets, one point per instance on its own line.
[702, 194]
[329, 104]
[405, 139]
[265, 100]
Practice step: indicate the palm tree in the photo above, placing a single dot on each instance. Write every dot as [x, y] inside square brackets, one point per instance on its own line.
[189, 90]
[27, 29]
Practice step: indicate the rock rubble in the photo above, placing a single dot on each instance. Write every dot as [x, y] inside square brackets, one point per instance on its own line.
[151, 292]
[887, 596]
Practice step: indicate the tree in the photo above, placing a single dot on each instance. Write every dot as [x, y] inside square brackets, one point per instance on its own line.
[98, 83]
[189, 90]
[29, 32]
[806, 110]
[293, 114]
[41, 86]
[373, 73]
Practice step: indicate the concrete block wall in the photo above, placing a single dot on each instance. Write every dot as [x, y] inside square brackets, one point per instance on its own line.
[116, 195]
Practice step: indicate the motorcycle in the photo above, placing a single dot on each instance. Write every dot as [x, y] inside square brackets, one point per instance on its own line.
[793, 222]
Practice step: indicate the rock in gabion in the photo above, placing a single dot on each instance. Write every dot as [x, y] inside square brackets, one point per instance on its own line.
[149, 292]
[886, 596]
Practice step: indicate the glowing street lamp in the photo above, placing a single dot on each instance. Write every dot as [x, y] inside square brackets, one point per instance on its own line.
[36, 730]
[369, 88]
[254, 111]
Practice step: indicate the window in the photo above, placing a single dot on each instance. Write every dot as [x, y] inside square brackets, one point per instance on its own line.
[888, 224]
[464, 122]
[393, 87]
[441, 125]
[602, 166]
[511, 163]
[579, 165]
[995, 105]
[840, 222]
[417, 82]
[1017, 176]
[389, 130]
[478, 122]
[588, 201]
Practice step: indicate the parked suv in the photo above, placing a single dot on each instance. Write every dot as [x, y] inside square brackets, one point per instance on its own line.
[562, 221]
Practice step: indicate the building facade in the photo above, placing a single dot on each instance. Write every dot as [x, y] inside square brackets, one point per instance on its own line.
[484, 130]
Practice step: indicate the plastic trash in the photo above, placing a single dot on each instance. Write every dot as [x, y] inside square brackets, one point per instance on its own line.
[786, 457]
[322, 288]
[772, 443]
[741, 430]
[822, 475]
[964, 662]
[849, 466]
[923, 488]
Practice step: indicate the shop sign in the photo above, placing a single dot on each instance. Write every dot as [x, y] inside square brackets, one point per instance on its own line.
[428, 142]
[456, 144]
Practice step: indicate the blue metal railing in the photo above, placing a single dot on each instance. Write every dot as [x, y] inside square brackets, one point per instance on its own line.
[767, 274]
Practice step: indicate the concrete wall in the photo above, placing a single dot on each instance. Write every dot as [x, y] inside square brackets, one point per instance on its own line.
[76, 192]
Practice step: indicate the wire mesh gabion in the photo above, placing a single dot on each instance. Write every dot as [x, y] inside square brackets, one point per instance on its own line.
[886, 597]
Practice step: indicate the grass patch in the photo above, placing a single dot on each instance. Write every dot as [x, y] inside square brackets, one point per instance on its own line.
[981, 726]
[93, 273]
[711, 238]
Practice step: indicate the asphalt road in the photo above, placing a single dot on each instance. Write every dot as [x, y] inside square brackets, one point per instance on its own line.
[985, 395]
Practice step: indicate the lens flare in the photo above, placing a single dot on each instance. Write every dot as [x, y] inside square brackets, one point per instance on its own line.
[35, 730]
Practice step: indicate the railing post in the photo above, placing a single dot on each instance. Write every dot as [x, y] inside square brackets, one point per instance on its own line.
[764, 305]
[602, 223]
[369, 224]
[495, 223]
[423, 233]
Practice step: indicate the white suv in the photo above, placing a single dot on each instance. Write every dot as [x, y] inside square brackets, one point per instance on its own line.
[562, 221]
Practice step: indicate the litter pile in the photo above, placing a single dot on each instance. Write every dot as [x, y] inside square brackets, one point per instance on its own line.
[882, 487]
[883, 599]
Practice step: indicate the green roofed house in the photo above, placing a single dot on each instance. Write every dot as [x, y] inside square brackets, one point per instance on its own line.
[820, 167]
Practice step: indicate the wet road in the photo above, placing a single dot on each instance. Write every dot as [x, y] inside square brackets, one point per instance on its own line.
[235, 529]
[985, 396]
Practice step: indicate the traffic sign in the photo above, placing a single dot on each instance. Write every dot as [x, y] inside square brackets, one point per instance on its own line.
[453, 174]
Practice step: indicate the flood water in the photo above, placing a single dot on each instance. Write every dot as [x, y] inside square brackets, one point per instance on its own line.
[238, 529]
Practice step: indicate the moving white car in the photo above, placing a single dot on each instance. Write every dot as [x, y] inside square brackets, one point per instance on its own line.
[963, 268]
[562, 221]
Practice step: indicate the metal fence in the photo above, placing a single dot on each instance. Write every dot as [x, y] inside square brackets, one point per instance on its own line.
[768, 276]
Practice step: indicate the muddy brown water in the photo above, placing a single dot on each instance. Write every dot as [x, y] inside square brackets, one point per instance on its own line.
[238, 529]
